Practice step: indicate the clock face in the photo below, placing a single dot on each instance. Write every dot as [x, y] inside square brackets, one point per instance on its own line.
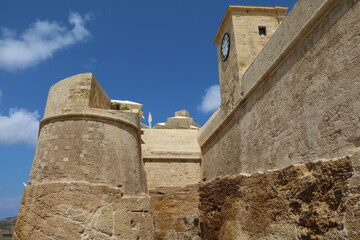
[225, 47]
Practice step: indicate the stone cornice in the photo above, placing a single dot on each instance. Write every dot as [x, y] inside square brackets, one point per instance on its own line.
[88, 116]
[195, 159]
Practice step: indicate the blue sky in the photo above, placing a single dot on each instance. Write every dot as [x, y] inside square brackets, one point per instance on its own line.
[158, 53]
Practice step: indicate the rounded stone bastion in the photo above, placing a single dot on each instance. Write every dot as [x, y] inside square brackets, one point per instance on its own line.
[87, 179]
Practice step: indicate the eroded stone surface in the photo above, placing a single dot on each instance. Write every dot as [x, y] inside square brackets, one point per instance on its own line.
[311, 201]
[176, 213]
[82, 211]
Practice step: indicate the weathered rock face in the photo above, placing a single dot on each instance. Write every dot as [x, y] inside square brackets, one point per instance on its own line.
[312, 201]
[82, 211]
[176, 213]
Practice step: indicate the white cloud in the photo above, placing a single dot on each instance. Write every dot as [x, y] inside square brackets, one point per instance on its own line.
[8, 33]
[39, 42]
[211, 100]
[90, 63]
[21, 126]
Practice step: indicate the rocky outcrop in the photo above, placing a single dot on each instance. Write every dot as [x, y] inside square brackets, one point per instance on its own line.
[311, 201]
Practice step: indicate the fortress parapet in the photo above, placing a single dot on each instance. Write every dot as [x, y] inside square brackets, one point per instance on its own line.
[87, 176]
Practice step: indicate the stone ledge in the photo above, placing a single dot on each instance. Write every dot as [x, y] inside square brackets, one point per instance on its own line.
[172, 159]
[120, 117]
[354, 158]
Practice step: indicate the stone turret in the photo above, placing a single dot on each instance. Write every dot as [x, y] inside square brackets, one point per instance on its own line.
[87, 178]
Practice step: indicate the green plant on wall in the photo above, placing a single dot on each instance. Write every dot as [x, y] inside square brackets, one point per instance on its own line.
[196, 221]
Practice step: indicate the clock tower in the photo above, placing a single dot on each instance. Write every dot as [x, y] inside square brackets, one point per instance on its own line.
[242, 34]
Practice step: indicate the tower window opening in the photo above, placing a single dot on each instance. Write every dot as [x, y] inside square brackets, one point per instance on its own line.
[262, 31]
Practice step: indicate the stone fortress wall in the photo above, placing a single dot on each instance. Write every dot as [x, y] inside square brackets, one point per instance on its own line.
[87, 179]
[242, 23]
[297, 110]
[171, 153]
[171, 157]
[172, 160]
[68, 146]
[283, 162]
[278, 160]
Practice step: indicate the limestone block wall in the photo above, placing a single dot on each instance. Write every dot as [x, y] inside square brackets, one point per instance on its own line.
[171, 157]
[76, 94]
[284, 163]
[172, 173]
[87, 178]
[172, 164]
[89, 151]
[229, 70]
[242, 24]
[301, 99]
